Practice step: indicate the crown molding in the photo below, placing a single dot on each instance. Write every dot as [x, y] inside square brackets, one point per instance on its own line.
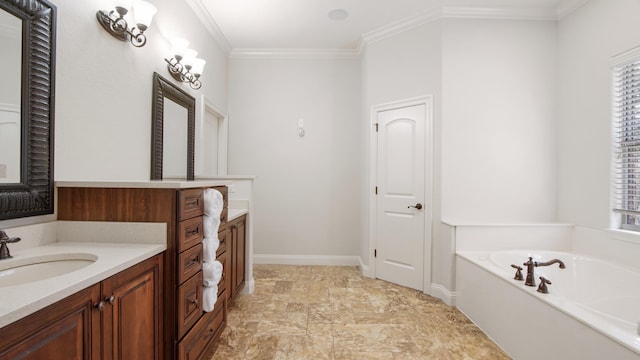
[398, 27]
[209, 23]
[301, 54]
[500, 13]
[459, 12]
[566, 7]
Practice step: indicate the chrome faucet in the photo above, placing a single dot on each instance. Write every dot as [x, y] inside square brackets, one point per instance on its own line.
[531, 281]
[4, 249]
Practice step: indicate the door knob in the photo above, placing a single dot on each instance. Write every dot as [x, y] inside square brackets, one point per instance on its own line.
[417, 206]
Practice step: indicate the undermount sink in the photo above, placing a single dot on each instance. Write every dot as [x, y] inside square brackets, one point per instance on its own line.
[19, 271]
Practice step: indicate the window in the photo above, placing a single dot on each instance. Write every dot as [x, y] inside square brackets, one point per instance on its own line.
[626, 139]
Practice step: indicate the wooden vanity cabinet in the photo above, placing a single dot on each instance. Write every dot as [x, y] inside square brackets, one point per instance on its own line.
[118, 318]
[189, 332]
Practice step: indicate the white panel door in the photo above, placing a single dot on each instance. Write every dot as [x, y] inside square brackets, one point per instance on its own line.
[400, 206]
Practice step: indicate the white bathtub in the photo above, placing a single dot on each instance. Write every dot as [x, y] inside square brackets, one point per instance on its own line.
[591, 311]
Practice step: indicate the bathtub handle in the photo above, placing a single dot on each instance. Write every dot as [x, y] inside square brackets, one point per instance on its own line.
[542, 288]
[518, 275]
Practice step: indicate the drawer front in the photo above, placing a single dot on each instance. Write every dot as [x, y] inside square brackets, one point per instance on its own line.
[190, 204]
[190, 233]
[189, 303]
[189, 263]
[199, 339]
[225, 240]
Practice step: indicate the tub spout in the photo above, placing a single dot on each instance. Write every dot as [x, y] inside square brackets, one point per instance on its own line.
[551, 262]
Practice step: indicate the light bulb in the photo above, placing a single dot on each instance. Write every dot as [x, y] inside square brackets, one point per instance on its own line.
[197, 66]
[143, 12]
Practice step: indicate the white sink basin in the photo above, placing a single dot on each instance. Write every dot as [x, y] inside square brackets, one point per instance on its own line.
[19, 271]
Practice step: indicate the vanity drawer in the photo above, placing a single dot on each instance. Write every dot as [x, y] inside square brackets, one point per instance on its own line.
[190, 204]
[189, 303]
[190, 233]
[225, 238]
[206, 330]
[189, 263]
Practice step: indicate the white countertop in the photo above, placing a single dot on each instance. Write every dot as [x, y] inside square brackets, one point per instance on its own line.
[236, 213]
[18, 301]
[153, 184]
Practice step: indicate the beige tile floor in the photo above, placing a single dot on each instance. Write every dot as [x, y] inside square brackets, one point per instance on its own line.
[333, 312]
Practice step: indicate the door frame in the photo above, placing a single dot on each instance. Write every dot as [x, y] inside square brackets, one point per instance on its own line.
[206, 106]
[427, 101]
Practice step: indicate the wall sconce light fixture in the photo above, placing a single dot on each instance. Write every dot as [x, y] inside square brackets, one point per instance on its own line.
[116, 25]
[184, 66]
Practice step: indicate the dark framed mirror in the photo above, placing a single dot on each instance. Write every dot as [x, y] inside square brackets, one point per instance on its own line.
[173, 126]
[26, 170]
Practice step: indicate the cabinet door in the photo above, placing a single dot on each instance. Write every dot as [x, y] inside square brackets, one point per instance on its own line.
[132, 315]
[238, 239]
[68, 329]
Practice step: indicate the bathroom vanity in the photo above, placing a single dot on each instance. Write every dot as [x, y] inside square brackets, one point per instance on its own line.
[189, 332]
[118, 317]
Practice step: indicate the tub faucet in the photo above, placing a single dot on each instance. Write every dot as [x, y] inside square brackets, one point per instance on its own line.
[531, 281]
[4, 250]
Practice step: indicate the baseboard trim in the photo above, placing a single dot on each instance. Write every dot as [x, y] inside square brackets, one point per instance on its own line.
[335, 260]
[249, 287]
[444, 294]
[365, 269]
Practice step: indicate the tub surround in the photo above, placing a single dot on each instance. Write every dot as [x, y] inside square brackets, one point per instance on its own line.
[486, 237]
[510, 312]
[618, 246]
[112, 253]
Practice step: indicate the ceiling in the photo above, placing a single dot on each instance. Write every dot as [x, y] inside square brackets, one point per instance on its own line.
[305, 24]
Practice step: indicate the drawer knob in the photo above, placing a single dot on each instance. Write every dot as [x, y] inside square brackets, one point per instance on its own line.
[111, 299]
[100, 306]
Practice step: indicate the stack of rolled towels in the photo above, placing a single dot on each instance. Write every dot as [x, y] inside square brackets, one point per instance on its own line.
[211, 268]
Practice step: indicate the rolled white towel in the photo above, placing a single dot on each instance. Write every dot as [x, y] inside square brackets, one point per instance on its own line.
[211, 225]
[209, 297]
[217, 271]
[211, 273]
[209, 248]
[213, 202]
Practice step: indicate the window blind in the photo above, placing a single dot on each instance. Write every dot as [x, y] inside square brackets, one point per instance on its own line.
[626, 132]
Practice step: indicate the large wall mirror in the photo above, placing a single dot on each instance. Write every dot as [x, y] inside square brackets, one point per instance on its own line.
[27, 56]
[172, 131]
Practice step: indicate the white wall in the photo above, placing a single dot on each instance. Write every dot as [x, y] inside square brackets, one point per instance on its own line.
[498, 132]
[306, 193]
[402, 66]
[103, 88]
[587, 39]
[499, 90]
